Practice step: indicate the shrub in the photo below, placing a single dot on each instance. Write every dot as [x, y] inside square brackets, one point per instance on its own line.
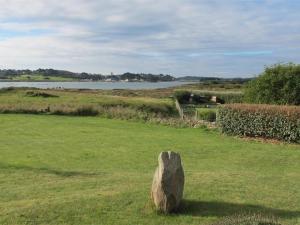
[278, 84]
[200, 99]
[182, 96]
[231, 97]
[7, 89]
[39, 94]
[206, 114]
[85, 111]
[164, 109]
[268, 121]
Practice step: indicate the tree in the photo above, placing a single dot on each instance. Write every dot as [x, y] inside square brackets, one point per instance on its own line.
[278, 84]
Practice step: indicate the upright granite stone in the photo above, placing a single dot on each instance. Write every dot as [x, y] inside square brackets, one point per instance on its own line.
[168, 182]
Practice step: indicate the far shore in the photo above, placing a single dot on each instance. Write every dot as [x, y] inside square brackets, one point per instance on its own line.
[100, 81]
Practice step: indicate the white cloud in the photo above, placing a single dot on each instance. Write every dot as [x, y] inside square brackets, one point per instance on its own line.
[148, 36]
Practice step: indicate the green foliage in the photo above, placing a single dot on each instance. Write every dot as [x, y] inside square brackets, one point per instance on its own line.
[278, 84]
[62, 75]
[204, 96]
[187, 97]
[8, 89]
[268, 121]
[82, 103]
[86, 111]
[40, 94]
[223, 96]
[182, 96]
[206, 114]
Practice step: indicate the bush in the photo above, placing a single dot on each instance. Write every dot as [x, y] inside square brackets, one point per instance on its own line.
[85, 111]
[7, 89]
[206, 114]
[268, 121]
[279, 84]
[163, 109]
[182, 96]
[40, 94]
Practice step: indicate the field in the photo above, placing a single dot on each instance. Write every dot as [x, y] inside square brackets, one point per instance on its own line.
[89, 170]
[24, 96]
[91, 102]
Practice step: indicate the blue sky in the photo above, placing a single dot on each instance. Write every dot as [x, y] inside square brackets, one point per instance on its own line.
[226, 38]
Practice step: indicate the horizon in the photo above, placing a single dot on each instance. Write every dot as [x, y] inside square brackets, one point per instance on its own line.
[119, 74]
[206, 38]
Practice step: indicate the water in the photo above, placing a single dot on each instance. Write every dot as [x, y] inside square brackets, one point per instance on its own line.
[94, 85]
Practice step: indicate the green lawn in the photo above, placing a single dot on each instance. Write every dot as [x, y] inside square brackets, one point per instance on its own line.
[87, 170]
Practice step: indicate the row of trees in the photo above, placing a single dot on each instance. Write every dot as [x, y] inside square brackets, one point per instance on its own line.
[6, 74]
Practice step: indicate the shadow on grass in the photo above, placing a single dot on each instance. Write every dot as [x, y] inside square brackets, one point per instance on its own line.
[46, 170]
[221, 209]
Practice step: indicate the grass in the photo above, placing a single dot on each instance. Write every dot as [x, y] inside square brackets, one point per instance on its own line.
[208, 114]
[87, 170]
[69, 102]
[19, 95]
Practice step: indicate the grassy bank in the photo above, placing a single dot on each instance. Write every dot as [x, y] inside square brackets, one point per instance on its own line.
[87, 170]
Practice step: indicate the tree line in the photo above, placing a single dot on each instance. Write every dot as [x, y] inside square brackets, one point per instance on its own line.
[11, 73]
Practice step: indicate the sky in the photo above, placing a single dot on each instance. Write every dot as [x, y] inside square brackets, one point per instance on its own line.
[224, 38]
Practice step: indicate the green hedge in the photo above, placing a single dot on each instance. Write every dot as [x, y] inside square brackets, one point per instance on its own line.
[267, 121]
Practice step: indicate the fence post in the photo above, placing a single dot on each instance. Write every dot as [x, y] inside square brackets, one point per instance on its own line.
[179, 109]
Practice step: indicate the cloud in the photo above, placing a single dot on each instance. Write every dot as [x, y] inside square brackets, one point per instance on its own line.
[182, 37]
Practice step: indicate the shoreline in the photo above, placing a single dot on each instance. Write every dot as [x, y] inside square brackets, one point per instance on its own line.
[84, 81]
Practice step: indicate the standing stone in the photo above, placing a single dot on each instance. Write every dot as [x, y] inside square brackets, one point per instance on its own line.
[168, 182]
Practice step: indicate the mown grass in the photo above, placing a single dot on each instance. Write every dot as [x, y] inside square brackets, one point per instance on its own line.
[87, 170]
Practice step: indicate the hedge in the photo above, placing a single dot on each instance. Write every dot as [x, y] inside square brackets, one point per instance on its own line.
[255, 120]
